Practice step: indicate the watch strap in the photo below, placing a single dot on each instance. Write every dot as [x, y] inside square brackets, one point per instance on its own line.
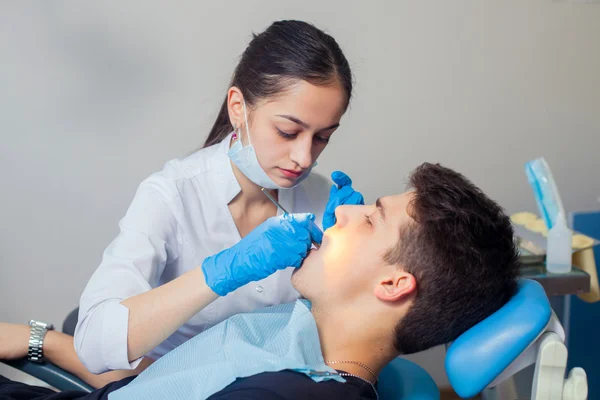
[35, 352]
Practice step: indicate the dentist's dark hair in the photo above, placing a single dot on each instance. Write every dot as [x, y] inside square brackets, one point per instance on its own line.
[287, 51]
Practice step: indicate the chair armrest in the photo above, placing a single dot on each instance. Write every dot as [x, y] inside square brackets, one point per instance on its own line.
[51, 374]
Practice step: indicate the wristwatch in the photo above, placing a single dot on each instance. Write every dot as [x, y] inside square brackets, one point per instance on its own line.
[35, 352]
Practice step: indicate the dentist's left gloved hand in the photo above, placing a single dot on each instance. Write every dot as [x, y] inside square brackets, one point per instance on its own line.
[341, 193]
[277, 243]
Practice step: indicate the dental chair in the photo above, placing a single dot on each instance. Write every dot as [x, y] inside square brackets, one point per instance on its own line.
[483, 359]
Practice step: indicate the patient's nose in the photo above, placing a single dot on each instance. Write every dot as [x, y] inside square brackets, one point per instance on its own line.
[345, 214]
[340, 216]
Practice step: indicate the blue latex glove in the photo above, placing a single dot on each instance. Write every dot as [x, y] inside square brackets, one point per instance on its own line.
[341, 193]
[277, 243]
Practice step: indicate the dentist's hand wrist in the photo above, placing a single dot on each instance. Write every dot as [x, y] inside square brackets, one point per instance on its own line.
[215, 277]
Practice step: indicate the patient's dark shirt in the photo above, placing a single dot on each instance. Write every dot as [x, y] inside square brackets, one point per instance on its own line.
[284, 385]
[288, 385]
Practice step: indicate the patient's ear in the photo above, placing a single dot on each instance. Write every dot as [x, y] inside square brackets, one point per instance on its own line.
[395, 287]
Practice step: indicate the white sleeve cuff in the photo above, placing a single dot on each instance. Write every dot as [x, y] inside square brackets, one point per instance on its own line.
[114, 338]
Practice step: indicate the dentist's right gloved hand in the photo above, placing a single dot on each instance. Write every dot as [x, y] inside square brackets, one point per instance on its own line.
[277, 243]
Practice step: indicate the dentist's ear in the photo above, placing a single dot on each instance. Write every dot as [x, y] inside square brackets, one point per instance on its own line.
[396, 287]
[235, 100]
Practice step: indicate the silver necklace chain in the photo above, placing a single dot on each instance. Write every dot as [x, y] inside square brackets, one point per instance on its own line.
[369, 370]
[362, 379]
[363, 366]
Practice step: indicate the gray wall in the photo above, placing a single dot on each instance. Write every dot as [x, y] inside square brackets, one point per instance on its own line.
[95, 97]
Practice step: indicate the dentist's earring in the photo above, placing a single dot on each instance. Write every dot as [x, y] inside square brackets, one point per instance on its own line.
[235, 132]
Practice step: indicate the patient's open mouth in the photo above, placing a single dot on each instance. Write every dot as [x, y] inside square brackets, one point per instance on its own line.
[315, 248]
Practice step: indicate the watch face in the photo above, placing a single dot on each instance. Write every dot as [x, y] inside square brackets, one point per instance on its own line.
[41, 324]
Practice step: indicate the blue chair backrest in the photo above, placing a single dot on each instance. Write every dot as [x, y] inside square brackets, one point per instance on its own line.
[482, 353]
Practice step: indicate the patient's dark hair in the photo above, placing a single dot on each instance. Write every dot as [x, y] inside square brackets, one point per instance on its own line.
[460, 250]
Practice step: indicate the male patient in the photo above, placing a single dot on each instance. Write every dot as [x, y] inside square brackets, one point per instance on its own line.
[411, 272]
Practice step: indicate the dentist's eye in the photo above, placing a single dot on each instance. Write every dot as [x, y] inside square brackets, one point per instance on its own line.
[286, 135]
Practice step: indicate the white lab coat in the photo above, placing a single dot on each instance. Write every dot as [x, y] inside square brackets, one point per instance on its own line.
[178, 217]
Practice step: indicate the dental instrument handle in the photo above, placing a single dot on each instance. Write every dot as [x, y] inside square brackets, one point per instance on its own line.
[266, 192]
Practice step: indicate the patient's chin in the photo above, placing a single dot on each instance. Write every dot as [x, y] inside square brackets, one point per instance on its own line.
[303, 274]
[298, 275]
[310, 259]
[297, 280]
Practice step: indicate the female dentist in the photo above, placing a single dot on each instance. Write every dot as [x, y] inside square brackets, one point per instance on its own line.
[200, 241]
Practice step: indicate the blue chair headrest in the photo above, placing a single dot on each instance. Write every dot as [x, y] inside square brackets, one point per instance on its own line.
[481, 353]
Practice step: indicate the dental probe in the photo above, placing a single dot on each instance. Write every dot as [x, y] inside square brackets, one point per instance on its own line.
[317, 245]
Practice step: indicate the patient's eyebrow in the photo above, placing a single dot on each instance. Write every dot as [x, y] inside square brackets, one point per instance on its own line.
[380, 208]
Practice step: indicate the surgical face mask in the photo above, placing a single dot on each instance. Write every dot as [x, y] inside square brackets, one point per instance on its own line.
[246, 161]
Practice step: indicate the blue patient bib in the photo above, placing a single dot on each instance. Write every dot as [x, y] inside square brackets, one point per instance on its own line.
[267, 340]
